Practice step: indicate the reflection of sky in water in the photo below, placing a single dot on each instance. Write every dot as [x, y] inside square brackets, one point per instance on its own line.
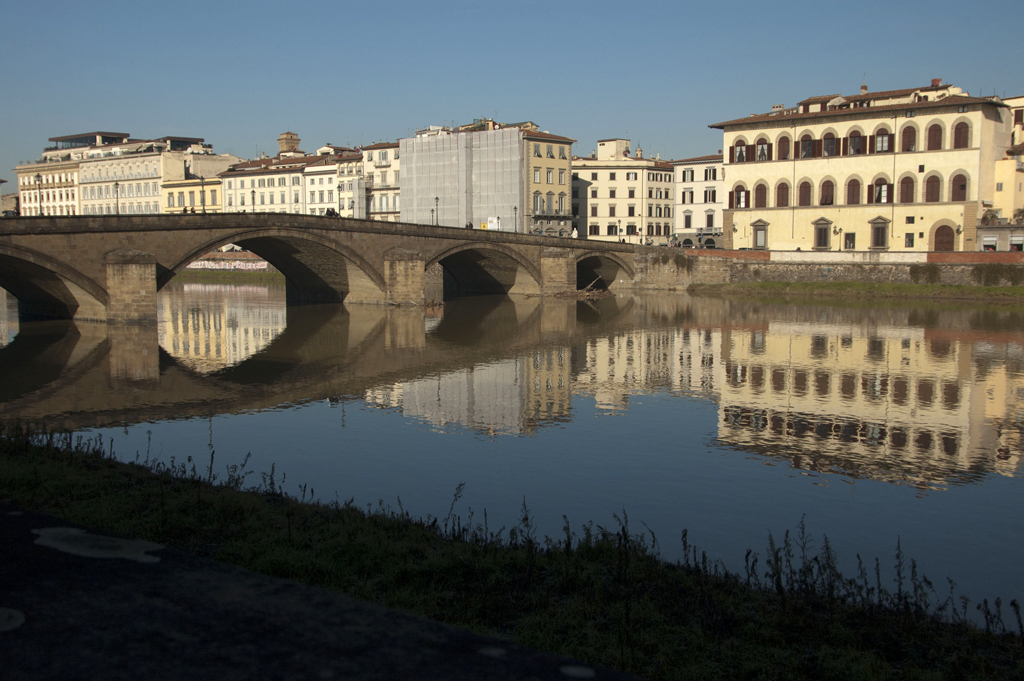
[873, 428]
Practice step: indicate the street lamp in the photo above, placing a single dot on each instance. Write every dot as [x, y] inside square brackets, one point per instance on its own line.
[431, 216]
[619, 228]
[515, 218]
[438, 214]
[39, 190]
[253, 200]
[340, 185]
[117, 202]
[202, 192]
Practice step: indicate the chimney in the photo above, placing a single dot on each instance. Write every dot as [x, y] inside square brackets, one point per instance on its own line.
[863, 89]
[936, 82]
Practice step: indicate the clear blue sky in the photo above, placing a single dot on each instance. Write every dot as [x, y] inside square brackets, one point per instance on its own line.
[239, 74]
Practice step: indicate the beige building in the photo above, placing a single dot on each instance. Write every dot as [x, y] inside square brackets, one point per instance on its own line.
[380, 172]
[271, 184]
[699, 200]
[901, 170]
[621, 196]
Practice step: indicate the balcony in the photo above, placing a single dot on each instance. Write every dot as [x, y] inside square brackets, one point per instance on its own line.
[382, 164]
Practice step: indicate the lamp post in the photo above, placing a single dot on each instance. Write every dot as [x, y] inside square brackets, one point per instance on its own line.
[253, 200]
[340, 185]
[515, 218]
[431, 216]
[618, 230]
[438, 207]
[202, 192]
[117, 198]
[39, 190]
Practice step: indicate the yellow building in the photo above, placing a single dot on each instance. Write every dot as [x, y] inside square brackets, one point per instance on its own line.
[620, 196]
[192, 194]
[548, 160]
[901, 170]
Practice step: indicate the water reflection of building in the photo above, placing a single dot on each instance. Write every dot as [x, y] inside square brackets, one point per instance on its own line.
[209, 326]
[8, 317]
[612, 368]
[903, 404]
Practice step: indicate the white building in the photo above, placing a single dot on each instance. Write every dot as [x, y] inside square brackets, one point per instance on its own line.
[700, 198]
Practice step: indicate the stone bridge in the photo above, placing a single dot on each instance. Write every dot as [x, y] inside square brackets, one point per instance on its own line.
[110, 267]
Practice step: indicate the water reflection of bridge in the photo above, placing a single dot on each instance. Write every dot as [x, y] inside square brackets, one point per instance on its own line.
[891, 394]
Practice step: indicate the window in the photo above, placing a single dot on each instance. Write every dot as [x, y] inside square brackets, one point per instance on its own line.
[828, 147]
[611, 193]
[853, 192]
[561, 152]
[760, 236]
[632, 194]
[561, 177]
[296, 180]
[849, 241]
[879, 235]
[782, 196]
[271, 194]
[611, 177]
[959, 183]
[907, 190]
[213, 197]
[933, 189]
[181, 199]
[536, 175]
[709, 196]
[806, 147]
[709, 221]
[593, 211]
[687, 221]
[856, 144]
[612, 230]
[593, 176]
[882, 193]
[822, 235]
[910, 220]
[908, 240]
[935, 137]
[828, 190]
[783, 148]
[762, 150]
[170, 200]
[611, 211]
[631, 211]
[740, 153]
[881, 141]
[804, 197]
[594, 230]
[709, 174]
[960, 134]
[551, 151]
[593, 193]
[312, 197]
[999, 186]
[536, 150]
[741, 198]
[760, 196]
[550, 176]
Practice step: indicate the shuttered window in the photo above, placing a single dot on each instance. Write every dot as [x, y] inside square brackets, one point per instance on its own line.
[760, 196]
[933, 189]
[853, 192]
[806, 147]
[829, 145]
[805, 194]
[782, 195]
[784, 149]
[960, 136]
[828, 191]
[907, 190]
[856, 144]
[909, 139]
[935, 137]
[959, 188]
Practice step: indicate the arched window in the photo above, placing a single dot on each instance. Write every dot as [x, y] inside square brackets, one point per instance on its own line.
[760, 196]
[882, 191]
[783, 148]
[829, 146]
[856, 143]
[828, 191]
[806, 147]
[741, 198]
[960, 135]
[933, 189]
[763, 150]
[935, 137]
[782, 195]
[805, 194]
[959, 187]
[907, 190]
[853, 192]
[740, 154]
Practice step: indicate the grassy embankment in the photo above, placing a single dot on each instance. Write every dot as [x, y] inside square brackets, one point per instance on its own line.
[604, 597]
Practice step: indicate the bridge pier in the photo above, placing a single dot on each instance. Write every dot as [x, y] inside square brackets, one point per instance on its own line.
[405, 276]
[557, 270]
[134, 355]
[131, 287]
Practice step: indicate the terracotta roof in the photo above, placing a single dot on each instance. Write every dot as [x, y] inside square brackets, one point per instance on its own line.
[536, 134]
[380, 145]
[698, 159]
[819, 98]
[952, 100]
[885, 94]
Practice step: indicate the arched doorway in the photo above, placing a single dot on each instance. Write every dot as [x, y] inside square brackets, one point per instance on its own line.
[945, 239]
[709, 243]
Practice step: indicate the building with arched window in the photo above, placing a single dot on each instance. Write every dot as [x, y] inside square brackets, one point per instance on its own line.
[900, 170]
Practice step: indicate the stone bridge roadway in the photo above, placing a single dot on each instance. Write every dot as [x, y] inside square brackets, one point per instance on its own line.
[110, 267]
[70, 375]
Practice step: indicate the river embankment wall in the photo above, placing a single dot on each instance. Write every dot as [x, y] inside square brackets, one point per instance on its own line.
[661, 268]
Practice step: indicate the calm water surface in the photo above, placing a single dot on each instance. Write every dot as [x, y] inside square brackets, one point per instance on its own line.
[731, 419]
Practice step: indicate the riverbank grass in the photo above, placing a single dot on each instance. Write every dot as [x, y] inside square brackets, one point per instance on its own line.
[833, 290]
[602, 595]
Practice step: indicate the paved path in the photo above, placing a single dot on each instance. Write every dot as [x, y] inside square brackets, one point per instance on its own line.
[77, 605]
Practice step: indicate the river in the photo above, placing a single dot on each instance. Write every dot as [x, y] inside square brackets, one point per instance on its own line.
[873, 422]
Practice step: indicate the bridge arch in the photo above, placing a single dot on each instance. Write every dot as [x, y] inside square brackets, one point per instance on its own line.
[47, 288]
[309, 262]
[484, 268]
[602, 266]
